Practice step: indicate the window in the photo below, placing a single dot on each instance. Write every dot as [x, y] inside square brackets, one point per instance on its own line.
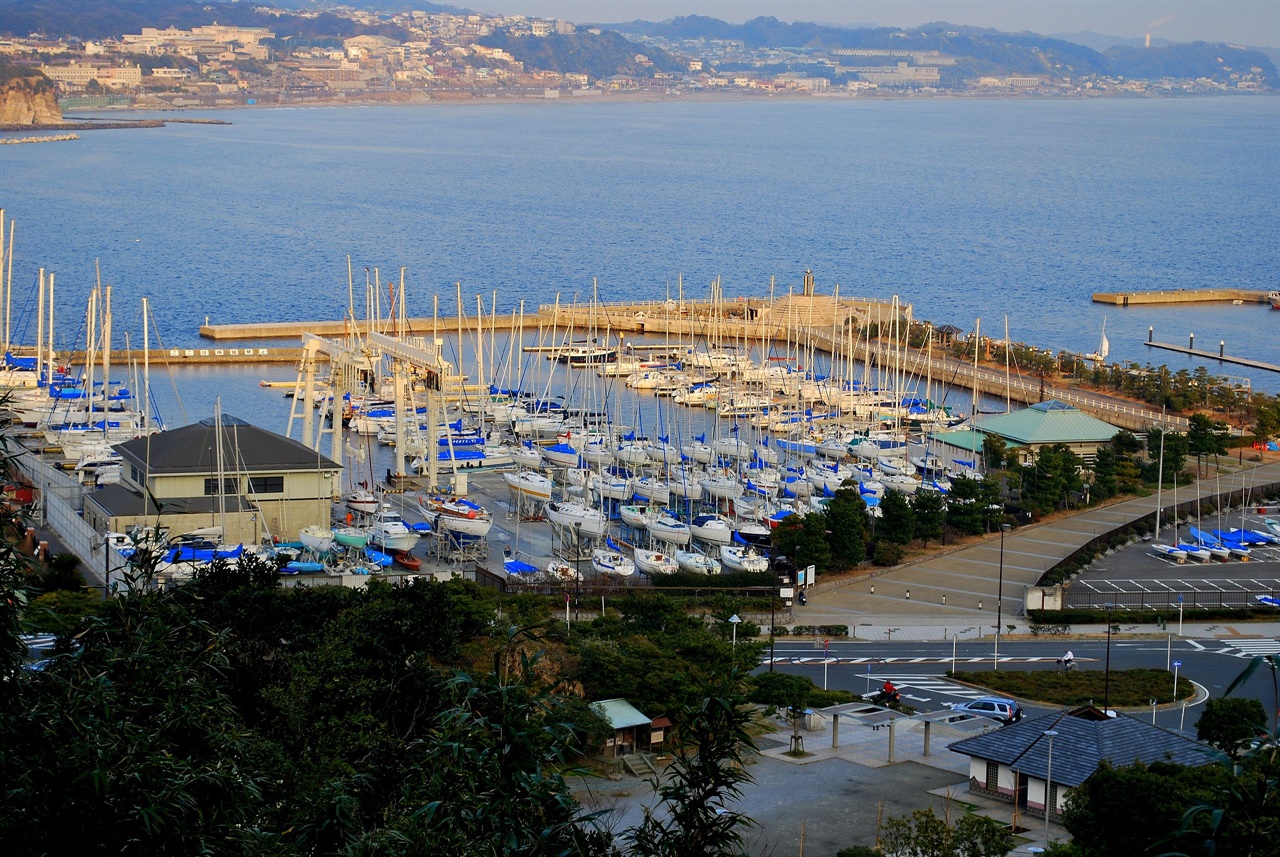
[993, 775]
[266, 485]
[229, 486]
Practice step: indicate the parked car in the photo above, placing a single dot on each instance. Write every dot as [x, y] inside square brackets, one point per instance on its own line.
[996, 707]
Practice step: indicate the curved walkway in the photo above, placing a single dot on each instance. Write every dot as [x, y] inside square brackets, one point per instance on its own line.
[961, 585]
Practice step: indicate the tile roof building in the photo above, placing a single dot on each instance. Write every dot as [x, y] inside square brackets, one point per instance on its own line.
[1013, 762]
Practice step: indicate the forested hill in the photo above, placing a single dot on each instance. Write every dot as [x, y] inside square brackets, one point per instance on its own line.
[598, 55]
[981, 50]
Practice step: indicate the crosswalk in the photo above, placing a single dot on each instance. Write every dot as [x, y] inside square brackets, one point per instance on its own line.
[819, 660]
[912, 686]
[1250, 648]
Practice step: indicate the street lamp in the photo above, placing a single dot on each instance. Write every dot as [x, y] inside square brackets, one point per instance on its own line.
[995, 664]
[734, 620]
[1048, 782]
[1106, 680]
[773, 606]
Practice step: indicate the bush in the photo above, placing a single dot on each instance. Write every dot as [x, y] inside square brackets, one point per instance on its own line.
[62, 573]
[1038, 628]
[888, 553]
[1091, 616]
[1082, 687]
[821, 630]
[859, 851]
[60, 611]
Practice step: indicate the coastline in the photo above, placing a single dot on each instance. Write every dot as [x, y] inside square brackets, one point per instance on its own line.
[471, 98]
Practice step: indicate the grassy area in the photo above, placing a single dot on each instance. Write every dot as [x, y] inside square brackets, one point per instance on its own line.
[1081, 687]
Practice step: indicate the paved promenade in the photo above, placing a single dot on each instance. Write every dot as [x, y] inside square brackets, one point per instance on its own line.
[957, 589]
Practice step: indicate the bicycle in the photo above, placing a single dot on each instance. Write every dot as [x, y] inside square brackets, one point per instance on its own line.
[1067, 666]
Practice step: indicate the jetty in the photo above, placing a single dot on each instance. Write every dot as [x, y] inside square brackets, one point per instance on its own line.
[1181, 296]
[1221, 357]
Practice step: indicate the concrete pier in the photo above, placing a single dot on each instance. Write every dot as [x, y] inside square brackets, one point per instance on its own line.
[1180, 296]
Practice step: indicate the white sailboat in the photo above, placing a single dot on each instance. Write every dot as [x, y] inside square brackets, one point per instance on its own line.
[1104, 347]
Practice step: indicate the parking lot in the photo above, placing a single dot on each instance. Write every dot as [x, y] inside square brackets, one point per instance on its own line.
[1136, 577]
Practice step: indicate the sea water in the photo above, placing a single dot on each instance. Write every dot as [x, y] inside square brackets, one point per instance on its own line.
[966, 208]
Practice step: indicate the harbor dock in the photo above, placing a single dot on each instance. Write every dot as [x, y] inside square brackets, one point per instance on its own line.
[1181, 296]
[1221, 357]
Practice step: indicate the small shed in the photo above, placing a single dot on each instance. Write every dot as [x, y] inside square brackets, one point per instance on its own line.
[628, 724]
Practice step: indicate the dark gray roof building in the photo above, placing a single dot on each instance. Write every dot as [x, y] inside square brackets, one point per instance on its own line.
[1085, 738]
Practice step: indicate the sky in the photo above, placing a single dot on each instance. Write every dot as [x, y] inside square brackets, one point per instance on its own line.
[1246, 22]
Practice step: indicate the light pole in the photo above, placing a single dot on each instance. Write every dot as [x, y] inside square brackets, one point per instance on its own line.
[773, 606]
[1179, 615]
[1048, 782]
[1106, 680]
[995, 664]
[734, 620]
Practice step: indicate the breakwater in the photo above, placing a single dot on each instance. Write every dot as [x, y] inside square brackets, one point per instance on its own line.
[45, 138]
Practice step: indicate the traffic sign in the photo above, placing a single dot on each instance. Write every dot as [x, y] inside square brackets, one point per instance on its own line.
[1177, 663]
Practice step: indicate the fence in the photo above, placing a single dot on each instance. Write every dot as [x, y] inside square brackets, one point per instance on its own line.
[60, 508]
[1225, 593]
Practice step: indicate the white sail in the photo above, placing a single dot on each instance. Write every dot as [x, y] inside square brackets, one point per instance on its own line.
[1104, 348]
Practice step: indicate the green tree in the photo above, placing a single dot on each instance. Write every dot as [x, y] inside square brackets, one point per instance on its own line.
[1174, 455]
[897, 523]
[804, 540]
[964, 514]
[492, 776]
[1205, 437]
[847, 527]
[1050, 481]
[995, 455]
[1105, 482]
[923, 834]
[1123, 810]
[1229, 723]
[929, 511]
[691, 818]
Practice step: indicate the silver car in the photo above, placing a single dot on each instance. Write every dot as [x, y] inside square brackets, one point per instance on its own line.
[996, 707]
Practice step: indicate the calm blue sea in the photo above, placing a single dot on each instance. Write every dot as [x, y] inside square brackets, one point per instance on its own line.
[966, 209]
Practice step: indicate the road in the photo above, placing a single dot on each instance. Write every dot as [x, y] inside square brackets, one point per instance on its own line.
[919, 668]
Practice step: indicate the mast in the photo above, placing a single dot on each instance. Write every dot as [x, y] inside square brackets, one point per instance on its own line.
[6, 286]
[40, 329]
[1008, 395]
[146, 368]
[977, 340]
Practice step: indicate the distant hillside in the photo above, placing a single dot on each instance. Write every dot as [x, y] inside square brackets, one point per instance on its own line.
[100, 19]
[602, 55]
[1197, 59]
[981, 51]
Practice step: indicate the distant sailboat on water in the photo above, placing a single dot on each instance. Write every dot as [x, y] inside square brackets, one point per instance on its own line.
[1104, 346]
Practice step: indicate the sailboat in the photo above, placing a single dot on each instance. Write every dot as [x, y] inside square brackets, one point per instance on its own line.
[1104, 347]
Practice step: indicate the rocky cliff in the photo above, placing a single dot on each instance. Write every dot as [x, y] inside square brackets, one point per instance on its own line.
[29, 100]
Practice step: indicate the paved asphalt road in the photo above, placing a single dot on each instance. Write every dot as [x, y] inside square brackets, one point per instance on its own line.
[919, 668]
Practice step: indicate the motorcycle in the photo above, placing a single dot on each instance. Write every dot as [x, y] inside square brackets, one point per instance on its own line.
[886, 699]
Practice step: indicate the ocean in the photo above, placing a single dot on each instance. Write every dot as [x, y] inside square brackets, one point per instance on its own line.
[965, 208]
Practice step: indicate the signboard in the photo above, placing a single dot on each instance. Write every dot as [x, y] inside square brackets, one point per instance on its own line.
[800, 577]
[787, 592]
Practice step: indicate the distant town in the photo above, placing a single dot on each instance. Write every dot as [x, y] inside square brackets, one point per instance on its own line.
[423, 56]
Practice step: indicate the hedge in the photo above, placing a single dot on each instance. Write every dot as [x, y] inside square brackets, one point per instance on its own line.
[1094, 616]
[820, 630]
